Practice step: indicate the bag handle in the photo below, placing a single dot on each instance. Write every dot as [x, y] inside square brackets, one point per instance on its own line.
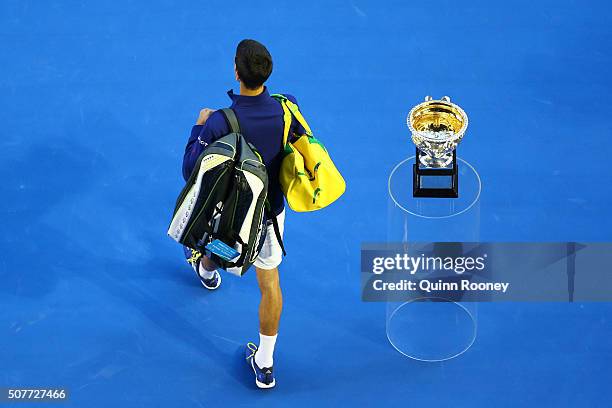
[287, 122]
[232, 120]
[290, 108]
[295, 110]
[270, 215]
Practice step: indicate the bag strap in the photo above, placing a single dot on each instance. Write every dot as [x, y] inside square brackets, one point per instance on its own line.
[243, 250]
[287, 122]
[278, 235]
[232, 120]
[290, 108]
[295, 110]
[279, 238]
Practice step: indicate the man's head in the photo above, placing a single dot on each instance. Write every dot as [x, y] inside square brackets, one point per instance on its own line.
[253, 64]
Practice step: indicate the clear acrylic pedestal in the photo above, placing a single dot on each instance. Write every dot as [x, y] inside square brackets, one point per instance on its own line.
[432, 328]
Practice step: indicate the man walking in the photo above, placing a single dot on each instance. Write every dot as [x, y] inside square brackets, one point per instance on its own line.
[261, 122]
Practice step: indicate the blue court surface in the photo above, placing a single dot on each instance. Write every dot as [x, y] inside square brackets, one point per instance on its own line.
[97, 101]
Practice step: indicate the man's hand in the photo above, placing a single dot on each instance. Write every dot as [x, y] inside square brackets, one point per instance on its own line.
[204, 115]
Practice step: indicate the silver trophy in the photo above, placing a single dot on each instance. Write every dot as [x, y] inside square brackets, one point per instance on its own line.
[437, 126]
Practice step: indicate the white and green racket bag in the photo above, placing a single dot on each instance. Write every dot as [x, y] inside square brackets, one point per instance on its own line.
[223, 203]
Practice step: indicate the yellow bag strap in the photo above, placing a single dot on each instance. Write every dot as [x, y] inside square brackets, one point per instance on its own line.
[287, 122]
[290, 108]
[298, 115]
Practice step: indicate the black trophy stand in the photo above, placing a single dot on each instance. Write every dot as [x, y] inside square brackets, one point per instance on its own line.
[449, 172]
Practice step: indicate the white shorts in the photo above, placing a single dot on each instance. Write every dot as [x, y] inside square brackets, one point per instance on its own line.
[271, 254]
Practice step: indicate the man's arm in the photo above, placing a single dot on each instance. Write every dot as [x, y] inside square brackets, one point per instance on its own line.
[209, 127]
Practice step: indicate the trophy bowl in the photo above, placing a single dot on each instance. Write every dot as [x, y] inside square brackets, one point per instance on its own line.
[437, 127]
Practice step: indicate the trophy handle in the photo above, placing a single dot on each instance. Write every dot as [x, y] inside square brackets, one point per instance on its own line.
[444, 98]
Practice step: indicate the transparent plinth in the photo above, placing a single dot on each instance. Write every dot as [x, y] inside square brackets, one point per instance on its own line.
[429, 328]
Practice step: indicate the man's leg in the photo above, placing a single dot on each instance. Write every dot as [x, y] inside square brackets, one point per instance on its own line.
[270, 309]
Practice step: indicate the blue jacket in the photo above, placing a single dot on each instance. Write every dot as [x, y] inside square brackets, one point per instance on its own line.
[261, 123]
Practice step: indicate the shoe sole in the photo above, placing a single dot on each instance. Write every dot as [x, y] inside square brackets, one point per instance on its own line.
[260, 384]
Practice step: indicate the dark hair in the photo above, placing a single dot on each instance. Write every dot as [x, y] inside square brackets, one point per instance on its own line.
[253, 63]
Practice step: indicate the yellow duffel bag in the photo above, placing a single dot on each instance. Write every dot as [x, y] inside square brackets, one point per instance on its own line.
[308, 176]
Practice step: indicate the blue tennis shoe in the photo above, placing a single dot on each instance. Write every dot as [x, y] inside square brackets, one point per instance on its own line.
[264, 377]
[193, 258]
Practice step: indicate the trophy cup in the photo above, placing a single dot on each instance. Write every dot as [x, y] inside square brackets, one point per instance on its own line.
[437, 127]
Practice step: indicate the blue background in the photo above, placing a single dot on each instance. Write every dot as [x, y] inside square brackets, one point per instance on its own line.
[97, 99]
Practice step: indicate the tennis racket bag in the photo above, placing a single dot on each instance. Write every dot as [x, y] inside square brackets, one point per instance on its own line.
[222, 206]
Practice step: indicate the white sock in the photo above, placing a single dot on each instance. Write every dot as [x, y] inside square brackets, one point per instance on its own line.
[206, 274]
[263, 356]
